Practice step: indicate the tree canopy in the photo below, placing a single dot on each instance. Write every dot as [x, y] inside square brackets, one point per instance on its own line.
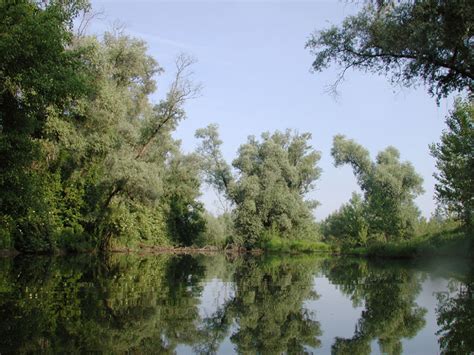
[389, 187]
[88, 161]
[455, 162]
[272, 178]
[412, 41]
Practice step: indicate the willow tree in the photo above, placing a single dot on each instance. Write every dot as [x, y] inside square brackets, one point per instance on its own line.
[268, 192]
[409, 41]
[389, 186]
[88, 159]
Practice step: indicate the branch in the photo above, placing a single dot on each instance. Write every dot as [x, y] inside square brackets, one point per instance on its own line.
[181, 90]
[413, 56]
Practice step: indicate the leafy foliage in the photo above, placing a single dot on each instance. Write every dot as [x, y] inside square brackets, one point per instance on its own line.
[273, 176]
[38, 75]
[455, 162]
[87, 160]
[428, 41]
[389, 187]
[348, 225]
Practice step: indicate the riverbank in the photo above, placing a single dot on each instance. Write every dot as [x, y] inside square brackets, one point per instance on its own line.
[187, 250]
[145, 250]
[455, 244]
[451, 243]
[295, 246]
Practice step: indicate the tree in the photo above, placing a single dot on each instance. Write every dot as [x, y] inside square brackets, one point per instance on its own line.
[87, 160]
[40, 73]
[413, 41]
[217, 172]
[389, 187]
[185, 214]
[273, 177]
[349, 224]
[455, 162]
[145, 190]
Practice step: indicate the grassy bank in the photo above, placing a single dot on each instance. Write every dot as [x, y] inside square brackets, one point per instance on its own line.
[446, 243]
[295, 246]
[452, 243]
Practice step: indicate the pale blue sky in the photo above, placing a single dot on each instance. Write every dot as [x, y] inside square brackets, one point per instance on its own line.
[256, 77]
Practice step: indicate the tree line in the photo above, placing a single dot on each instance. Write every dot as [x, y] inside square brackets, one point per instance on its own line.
[88, 161]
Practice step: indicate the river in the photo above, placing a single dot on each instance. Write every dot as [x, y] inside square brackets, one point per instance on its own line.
[235, 304]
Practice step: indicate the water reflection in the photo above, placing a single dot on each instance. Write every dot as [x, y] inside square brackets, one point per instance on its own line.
[127, 304]
[388, 292]
[130, 303]
[268, 307]
[455, 317]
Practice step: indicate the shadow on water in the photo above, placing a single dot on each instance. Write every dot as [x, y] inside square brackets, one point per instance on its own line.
[130, 303]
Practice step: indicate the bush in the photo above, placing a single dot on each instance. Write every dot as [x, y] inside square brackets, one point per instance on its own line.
[75, 239]
[276, 244]
[218, 231]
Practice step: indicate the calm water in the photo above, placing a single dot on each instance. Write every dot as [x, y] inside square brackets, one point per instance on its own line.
[217, 304]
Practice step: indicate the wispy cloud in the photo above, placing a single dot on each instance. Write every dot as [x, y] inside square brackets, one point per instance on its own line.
[152, 38]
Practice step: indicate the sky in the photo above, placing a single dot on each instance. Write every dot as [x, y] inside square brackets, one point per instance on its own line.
[256, 77]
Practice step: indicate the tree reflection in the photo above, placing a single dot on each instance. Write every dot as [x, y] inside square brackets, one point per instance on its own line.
[268, 308]
[455, 317]
[390, 313]
[128, 304]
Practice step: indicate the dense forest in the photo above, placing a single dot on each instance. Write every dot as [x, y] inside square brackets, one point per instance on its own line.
[88, 160]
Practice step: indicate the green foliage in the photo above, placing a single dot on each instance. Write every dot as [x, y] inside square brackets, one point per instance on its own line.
[40, 72]
[185, 214]
[389, 187]
[273, 176]
[218, 232]
[87, 160]
[348, 226]
[435, 225]
[455, 162]
[448, 240]
[428, 41]
[276, 244]
[216, 171]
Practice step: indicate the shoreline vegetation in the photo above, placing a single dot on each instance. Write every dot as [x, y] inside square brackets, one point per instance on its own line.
[89, 162]
[453, 243]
